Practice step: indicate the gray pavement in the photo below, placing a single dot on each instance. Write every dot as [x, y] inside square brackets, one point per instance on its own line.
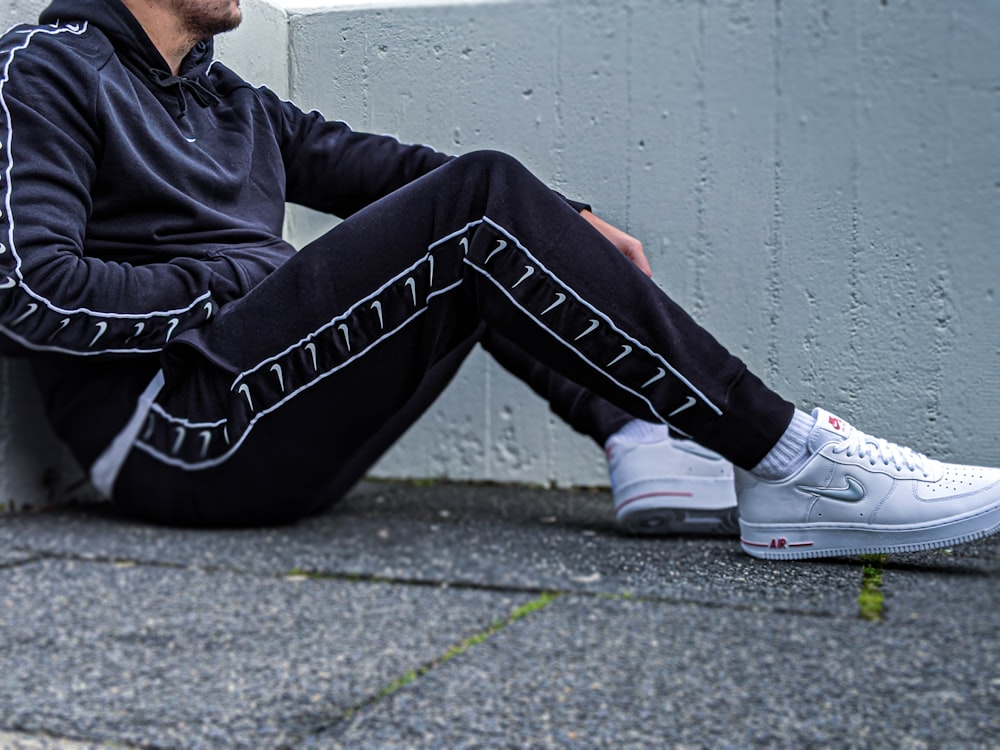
[457, 615]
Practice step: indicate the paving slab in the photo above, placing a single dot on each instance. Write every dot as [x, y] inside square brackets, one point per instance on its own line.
[915, 595]
[14, 557]
[118, 634]
[183, 658]
[501, 537]
[19, 741]
[595, 673]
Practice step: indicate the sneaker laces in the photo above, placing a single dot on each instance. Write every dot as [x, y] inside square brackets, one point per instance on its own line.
[877, 449]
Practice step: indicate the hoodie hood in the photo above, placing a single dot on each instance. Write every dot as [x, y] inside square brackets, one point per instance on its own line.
[137, 52]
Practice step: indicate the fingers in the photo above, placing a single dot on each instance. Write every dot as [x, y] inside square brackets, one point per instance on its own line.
[637, 255]
[628, 245]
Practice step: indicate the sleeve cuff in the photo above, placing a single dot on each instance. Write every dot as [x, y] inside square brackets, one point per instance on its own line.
[575, 205]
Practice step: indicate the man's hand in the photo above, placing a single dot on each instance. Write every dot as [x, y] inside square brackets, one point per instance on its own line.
[629, 246]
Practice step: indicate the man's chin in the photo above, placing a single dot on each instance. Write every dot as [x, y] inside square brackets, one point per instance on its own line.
[204, 23]
[232, 22]
[220, 26]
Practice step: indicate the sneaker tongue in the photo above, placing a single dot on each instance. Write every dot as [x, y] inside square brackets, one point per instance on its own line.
[829, 427]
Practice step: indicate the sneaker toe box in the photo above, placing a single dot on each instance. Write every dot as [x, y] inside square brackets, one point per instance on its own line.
[961, 483]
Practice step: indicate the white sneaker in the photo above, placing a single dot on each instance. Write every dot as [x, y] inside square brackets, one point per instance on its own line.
[862, 495]
[671, 487]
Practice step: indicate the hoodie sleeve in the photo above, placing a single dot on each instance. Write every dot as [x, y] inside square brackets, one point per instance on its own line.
[53, 296]
[332, 168]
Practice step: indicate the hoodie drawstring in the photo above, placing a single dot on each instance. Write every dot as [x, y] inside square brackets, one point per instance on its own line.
[201, 93]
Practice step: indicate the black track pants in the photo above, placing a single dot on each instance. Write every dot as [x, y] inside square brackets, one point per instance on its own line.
[284, 400]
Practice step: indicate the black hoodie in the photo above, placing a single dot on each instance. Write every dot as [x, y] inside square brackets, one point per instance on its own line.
[136, 203]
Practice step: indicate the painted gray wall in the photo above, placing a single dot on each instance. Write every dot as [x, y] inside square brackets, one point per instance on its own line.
[817, 181]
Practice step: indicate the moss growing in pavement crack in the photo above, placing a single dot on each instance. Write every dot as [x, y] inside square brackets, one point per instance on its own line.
[871, 604]
[458, 649]
[423, 482]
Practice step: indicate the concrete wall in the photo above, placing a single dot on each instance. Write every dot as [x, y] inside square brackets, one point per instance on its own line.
[817, 181]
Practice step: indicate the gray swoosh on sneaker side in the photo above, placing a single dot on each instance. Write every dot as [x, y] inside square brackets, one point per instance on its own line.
[852, 493]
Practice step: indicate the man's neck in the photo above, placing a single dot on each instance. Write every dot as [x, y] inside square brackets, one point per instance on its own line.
[168, 34]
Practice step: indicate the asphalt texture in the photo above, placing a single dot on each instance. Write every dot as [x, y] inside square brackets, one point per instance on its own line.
[451, 615]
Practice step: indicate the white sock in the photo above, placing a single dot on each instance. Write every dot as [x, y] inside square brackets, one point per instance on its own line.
[791, 450]
[639, 431]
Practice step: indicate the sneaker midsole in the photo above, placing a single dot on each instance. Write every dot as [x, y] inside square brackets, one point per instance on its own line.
[708, 496]
[826, 535]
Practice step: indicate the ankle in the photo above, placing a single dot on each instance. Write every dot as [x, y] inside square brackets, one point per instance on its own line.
[791, 450]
